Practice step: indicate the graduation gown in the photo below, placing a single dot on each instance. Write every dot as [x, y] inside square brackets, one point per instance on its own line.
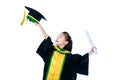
[71, 63]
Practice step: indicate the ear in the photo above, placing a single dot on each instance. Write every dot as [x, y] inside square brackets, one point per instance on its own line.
[66, 42]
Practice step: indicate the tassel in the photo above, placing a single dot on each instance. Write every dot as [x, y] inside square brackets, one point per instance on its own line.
[23, 20]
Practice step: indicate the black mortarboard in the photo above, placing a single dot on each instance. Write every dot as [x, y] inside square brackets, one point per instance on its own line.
[33, 15]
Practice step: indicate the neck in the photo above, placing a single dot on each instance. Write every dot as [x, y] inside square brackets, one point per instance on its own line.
[61, 46]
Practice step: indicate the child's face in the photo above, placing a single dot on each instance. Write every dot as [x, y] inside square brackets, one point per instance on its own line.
[60, 40]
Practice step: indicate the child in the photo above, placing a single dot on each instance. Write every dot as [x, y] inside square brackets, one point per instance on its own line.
[60, 63]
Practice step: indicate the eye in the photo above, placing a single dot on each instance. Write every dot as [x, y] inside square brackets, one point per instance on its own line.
[60, 36]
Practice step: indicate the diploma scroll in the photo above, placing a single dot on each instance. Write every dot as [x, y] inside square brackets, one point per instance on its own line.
[90, 41]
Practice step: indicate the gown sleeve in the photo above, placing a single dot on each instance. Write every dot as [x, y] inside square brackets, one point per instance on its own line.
[81, 63]
[45, 47]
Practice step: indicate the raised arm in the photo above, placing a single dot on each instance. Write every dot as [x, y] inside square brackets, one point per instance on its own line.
[43, 31]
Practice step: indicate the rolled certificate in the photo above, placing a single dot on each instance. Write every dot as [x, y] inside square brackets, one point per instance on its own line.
[90, 41]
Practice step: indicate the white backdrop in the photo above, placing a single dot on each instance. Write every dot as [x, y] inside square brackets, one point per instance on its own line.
[18, 44]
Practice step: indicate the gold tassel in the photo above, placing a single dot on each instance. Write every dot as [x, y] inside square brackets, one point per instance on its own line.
[23, 20]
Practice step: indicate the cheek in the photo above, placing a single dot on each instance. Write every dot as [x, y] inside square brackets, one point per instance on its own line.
[63, 42]
[59, 42]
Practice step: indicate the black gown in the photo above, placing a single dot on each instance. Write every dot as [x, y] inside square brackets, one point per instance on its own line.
[74, 63]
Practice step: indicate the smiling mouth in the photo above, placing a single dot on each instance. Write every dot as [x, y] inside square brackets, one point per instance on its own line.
[56, 41]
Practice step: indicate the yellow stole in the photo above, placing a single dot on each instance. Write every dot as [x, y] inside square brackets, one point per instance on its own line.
[56, 64]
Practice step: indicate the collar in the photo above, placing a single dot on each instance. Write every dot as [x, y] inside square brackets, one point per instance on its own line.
[61, 50]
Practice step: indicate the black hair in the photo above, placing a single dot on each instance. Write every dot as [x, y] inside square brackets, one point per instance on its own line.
[68, 38]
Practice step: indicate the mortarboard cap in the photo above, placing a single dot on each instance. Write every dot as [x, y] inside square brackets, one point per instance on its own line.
[33, 15]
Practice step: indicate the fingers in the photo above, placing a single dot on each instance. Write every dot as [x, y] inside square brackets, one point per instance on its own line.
[94, 49]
